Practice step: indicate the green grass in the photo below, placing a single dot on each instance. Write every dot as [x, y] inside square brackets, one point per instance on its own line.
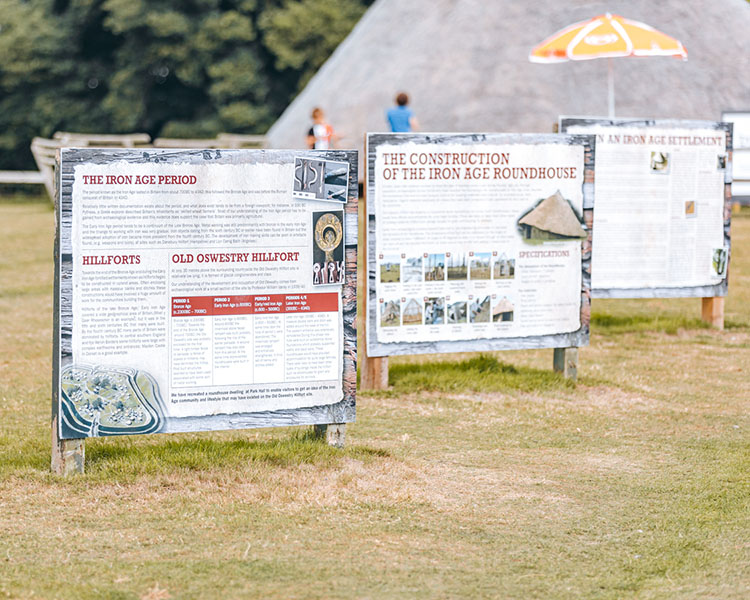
[472, 477]
[480, 373]
[125, 459]
[607, 324]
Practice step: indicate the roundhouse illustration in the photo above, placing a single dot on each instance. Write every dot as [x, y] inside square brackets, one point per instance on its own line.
[503, 310]
[551, 219]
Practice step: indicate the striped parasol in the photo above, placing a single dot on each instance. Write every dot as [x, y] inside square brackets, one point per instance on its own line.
[606, 36]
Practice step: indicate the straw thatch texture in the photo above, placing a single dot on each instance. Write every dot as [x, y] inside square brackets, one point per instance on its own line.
[465, 65]
[504, 306]
[554, 215]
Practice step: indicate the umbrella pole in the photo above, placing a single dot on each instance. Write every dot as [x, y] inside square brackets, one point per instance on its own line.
[611, 88]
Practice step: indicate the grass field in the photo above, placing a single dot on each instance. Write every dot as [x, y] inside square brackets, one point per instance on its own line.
[472, 476]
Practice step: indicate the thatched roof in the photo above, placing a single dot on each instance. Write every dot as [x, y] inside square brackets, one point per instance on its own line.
[465, 65]
[554, 214]
[391, 308]
[502, 307]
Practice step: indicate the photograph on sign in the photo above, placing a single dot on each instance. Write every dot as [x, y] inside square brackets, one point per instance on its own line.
[324, 180]
[328, 251]
[189, 293]
[661, 191]
[482, 239]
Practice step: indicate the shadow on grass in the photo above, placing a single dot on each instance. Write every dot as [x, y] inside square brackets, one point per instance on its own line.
[482, 373]
[604, 323]
[118, 458]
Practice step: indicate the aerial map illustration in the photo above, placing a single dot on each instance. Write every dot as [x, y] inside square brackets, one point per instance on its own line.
[99, 401]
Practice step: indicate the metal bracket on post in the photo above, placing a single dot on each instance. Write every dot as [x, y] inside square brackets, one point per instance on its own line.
[565, 361]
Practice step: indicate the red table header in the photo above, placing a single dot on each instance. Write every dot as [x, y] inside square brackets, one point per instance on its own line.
[208, 306]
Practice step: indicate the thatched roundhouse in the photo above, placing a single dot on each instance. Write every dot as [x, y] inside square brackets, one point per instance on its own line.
[465, 65]
[390, 314]
[551, 219]
[503, 310]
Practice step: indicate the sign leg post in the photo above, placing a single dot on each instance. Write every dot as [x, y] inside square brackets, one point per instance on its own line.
[334, 434]
[68, 456]
[712, 311]
[565, 361]
[373, 374]
[373, 370]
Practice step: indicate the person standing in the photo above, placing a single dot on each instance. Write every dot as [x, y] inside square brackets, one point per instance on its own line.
[321, 135]
[400, 117]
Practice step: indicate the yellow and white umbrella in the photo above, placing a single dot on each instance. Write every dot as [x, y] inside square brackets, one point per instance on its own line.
[606, 36]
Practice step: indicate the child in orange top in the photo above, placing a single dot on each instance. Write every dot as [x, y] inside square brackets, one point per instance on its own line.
[321, 135]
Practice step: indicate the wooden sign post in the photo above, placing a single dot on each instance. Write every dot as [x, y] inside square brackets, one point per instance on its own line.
[373, 370]
[712, 311]
[373, 373]
[203, 290]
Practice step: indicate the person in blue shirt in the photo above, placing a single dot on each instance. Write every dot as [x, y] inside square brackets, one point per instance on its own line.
[400, 117]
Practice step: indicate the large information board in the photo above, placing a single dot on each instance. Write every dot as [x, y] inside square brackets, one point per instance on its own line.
[663, 207]
[478, 242]
[204, 289]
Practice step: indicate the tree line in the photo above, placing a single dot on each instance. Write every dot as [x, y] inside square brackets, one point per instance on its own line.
[170, 68]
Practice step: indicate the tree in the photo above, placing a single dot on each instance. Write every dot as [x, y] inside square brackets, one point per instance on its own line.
[175, 68]
[302, 34]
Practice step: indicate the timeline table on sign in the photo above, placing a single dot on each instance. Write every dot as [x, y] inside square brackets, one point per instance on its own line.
[254, 339]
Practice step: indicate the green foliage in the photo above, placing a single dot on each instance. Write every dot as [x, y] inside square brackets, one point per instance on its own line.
[176, 68]
[301, 33]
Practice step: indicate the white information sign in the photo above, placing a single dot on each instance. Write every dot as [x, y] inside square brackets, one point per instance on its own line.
[660, 201]
[740, 154]
[200, 290]
[476, 241]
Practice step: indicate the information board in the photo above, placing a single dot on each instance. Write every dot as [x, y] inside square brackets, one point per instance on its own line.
[663, 207]
[204, 289]
[740, 121]
[478, 242]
